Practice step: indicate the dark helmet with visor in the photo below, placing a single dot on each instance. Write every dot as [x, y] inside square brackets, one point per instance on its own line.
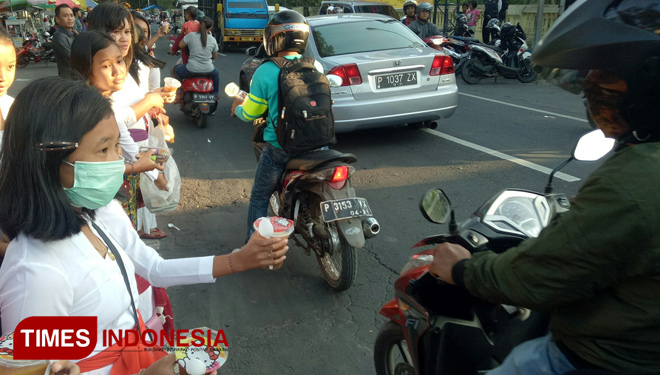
[618, 36]
[286, 31]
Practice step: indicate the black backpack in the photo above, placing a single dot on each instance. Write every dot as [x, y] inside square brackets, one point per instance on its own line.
[305, 121]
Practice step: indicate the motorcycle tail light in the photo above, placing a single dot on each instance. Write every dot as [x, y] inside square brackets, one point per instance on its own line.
[341, 174]
[349, 73]
[441, 65]
[337, 175]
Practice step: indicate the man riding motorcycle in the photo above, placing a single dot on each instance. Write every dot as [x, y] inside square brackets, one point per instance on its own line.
[285, 36]
[410, 9]
[422, 27]
[595, 268]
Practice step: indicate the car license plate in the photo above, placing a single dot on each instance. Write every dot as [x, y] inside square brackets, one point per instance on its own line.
[396, 79]
[203, 98]
[344, 209]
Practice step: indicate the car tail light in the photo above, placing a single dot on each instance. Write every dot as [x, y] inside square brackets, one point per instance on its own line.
[349, 73]
[442, 65]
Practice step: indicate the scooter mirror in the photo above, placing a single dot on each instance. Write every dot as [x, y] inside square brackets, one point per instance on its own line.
[335, 80]
[593, 146]
[435, 206]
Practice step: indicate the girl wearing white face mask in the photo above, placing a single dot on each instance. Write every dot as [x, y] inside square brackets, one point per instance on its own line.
[70, 239]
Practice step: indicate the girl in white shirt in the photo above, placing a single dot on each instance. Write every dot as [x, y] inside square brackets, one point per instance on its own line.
[7, 74]
[60, 206]
[130, 103]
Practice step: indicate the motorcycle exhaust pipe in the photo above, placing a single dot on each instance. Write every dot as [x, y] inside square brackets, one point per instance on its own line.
[370, 227]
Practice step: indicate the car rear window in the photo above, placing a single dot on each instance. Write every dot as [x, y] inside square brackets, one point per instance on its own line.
[355, 37]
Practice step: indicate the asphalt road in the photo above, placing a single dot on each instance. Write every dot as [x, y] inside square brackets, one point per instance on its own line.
[288, 321]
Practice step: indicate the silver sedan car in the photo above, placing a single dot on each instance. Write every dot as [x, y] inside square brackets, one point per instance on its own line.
[388, 75]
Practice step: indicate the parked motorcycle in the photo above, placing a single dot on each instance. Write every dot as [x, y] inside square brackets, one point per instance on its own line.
[33, 50]
[437, 328]
[453, 46]
[197, 100]
[509, 57]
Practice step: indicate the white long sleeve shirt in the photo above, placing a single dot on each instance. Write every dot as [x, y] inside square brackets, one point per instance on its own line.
[70, 278]
[122, 101]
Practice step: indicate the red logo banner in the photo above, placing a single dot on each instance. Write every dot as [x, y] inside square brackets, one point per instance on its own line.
[60, 337]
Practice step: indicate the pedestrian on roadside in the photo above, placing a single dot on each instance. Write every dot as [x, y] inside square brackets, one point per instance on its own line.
[493, 9]
[78, 24]
[150, 41]
[473, 16]
[63, 38]
[132, 107]
[71, 242]
[7, 75]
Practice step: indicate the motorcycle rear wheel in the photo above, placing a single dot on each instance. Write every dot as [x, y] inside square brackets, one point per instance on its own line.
[469, 73]
[22, 61]
[526, 74]
[202, 120]
[391, 355]
[340, 267]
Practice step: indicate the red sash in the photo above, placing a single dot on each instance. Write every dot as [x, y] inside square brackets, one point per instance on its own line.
[124, 360]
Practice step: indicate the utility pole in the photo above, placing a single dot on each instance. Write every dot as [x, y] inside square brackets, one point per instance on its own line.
[539, 22]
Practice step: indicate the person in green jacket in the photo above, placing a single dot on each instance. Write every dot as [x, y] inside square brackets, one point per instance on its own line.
[595, 268]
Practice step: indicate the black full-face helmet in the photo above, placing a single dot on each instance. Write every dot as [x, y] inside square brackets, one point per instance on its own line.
[620, 36]
[286, 31]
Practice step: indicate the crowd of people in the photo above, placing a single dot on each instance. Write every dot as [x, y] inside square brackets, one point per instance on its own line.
[67, 240]
[417, 16]
[75, 157]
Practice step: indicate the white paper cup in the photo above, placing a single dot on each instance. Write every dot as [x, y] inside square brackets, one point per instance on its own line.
[171, 84]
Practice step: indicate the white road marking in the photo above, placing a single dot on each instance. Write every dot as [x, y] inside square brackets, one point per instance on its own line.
[22, 79]
[513, 159]
[222, 54]
[523, 107]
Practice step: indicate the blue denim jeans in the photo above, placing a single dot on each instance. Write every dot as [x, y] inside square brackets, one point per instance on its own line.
[540, 356]
[181, 72]
[271, 167]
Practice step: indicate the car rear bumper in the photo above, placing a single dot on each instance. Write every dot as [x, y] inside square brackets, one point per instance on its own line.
[351, 114]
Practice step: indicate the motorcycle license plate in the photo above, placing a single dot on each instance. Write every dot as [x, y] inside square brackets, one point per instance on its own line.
[386, 81]
[344, 209]
[203, 98]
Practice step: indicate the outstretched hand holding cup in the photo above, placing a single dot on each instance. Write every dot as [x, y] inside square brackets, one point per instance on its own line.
[274, 227]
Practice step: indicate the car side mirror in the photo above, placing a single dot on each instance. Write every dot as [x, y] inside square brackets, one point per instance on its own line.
[252, 51]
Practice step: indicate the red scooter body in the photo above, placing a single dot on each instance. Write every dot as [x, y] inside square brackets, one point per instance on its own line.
[197, 98]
